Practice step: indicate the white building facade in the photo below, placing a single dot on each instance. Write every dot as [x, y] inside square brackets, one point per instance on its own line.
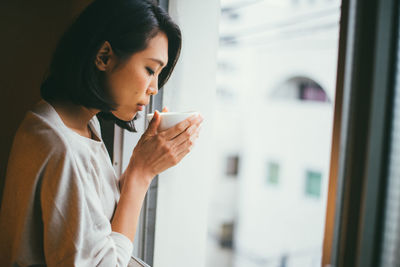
[275, 99]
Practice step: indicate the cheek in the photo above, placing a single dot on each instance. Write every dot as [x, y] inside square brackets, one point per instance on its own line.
[140, 82]
[135, 88]
[127, 90]
[128, 86]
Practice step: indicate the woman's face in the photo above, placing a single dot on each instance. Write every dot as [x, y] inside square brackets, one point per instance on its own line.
[133, 82]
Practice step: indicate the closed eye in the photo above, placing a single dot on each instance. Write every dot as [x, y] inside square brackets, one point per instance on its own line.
[150, 71]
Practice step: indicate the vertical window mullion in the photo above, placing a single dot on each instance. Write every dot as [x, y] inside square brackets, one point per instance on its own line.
[148, 217]
[381, 109]
[367, 86]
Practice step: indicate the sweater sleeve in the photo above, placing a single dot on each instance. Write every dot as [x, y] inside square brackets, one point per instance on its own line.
[76, 230]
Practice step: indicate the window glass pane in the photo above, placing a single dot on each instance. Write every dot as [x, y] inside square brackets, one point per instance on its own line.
[313, 183]
[276, 80]
[232, 166]
[273, 173]
[390, 255]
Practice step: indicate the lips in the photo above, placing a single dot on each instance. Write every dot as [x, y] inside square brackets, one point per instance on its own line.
[141, 106]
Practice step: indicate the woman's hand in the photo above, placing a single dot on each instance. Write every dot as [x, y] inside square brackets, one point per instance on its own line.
[158, 151]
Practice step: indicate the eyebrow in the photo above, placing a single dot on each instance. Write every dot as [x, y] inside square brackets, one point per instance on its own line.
[158, 61]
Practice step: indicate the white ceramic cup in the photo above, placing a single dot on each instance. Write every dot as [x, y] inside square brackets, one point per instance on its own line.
[170, 119]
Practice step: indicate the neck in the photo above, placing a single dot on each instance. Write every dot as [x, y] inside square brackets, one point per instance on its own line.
[75, 117]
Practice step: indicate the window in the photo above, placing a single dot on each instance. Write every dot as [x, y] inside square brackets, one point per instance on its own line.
[300, 88]
[312, 92]
[284, 55]
[364, 139]
[274, 42]
[390, 256]
[232, 166]
[226, 235]
[273, 173]
[313, 184]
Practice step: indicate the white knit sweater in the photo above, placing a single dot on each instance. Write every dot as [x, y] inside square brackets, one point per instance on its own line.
[59, 197]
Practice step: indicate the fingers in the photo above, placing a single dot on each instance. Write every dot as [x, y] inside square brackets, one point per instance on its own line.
[188, 143]
[186, 147]
[154, 123]
[180, 146]
[175, 131]
[188, 133]
[165, 109]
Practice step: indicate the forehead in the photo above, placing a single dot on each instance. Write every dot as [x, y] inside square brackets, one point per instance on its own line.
[157, 47]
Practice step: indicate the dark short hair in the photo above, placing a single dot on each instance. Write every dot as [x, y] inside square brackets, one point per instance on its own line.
[127, 25]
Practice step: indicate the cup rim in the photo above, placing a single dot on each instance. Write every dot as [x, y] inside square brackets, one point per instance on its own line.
[172, 113]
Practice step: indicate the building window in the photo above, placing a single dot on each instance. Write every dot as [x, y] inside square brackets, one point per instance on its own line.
[300, 88]
[313, 183]
[226, 235]
[232, 166]
[284, 262]
[273, 173]
[311, 91]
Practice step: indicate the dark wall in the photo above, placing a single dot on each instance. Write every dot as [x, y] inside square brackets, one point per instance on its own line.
[29, 31]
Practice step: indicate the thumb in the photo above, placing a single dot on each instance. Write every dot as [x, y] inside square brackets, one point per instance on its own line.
[155, 121]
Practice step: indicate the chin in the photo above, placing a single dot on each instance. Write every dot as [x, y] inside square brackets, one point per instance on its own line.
[126, 117]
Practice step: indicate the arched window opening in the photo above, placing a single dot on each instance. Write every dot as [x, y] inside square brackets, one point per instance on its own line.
[300, 88]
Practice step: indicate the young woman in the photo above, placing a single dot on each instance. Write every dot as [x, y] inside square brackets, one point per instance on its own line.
[63, 204]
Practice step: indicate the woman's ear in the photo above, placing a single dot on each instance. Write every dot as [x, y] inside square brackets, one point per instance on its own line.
[103, 57]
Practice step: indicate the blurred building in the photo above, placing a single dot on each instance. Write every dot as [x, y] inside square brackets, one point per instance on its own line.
[276, 89]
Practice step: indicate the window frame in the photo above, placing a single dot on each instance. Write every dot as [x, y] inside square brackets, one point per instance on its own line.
[147, 220]
[145, 235]
[365, 82]
[360, 147]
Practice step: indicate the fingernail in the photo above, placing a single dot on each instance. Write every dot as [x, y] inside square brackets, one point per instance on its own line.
[191, 129]
[193, 118]
[199, 120]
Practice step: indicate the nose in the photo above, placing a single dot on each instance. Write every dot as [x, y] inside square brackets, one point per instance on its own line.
[153, 87]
